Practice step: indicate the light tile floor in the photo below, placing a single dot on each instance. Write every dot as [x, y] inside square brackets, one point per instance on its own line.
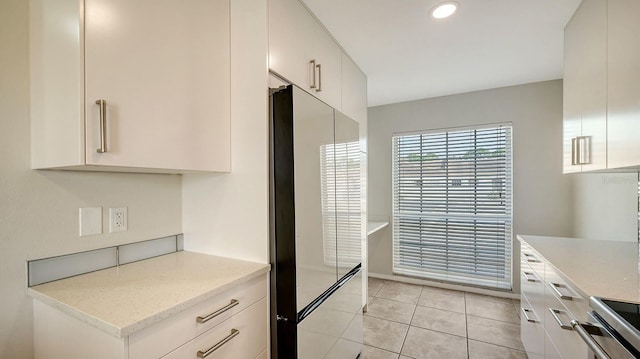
[406, 321]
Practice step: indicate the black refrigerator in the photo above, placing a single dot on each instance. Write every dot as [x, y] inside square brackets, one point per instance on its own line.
[316, 229]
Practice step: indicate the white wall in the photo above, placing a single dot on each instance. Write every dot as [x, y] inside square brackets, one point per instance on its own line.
[542, 195]
[228, 214]
[606, 206]
[39, 212]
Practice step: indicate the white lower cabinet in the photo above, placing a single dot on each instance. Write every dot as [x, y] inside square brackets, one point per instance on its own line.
[236, 337]
[232, 324]
[549, 303]
[531, 330]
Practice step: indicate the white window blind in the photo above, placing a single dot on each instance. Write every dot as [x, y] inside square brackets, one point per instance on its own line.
[341, 211]
[452, 214]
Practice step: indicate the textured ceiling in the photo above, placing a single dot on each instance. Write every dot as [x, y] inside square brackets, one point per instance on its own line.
[486, 44]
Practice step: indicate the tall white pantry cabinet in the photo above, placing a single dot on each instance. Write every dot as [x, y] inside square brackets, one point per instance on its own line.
[140, 86]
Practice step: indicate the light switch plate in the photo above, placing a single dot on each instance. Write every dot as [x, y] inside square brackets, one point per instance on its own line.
[90, 221]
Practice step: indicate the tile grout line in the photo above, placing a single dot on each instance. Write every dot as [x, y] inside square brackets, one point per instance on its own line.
[466, 324]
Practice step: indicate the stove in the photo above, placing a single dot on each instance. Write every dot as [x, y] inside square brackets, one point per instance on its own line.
[620, 323]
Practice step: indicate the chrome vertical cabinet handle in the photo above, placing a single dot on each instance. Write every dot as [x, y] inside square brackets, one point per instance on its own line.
[313, 70]
[319, 66]
[103, 125]
[575, 151]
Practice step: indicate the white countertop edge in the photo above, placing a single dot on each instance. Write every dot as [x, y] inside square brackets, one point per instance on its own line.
[132, 328]
[373, 227]
[574, 285]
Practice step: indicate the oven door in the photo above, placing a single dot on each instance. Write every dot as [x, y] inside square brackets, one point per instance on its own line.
[600, 340]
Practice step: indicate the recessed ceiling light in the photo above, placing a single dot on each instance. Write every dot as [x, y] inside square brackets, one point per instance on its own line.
[444, 9]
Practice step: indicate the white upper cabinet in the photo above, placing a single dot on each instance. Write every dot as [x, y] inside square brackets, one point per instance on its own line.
[302, 52]
[602, 87]
[585, 84]
[624, 83]
[136, 86]
[354, 96]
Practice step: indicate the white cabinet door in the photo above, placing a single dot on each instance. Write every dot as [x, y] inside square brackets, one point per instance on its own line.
[624, 83]
[354, 96]
[328, 56]
[163, 70]
[585, 83]
[291, 42]
[303, 53]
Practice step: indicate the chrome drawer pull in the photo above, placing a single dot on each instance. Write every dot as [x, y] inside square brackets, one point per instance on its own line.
[530, 257]
[525, 312]
[529, 276]
[554, 314]
[592, 344]
[555, 287]
[207, 318]
[216, 346]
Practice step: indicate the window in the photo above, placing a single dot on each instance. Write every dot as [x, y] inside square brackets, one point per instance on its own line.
[341, 205]
[452, 217]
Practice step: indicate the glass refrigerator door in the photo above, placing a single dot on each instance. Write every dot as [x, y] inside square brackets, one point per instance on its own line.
[348, 208]
[313, 138]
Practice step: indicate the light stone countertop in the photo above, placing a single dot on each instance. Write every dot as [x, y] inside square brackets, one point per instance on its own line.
[125, 299]
[373, 227]
[601, 268]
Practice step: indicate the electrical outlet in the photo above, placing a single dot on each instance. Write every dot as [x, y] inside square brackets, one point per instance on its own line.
[117, 219]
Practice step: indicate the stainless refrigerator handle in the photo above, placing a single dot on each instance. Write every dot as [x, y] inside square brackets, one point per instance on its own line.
[592, 344]
[525, 312]
[555, 287]
[206, 318]
[313, 70]
[218, 345]
[554, 314]
[319, 66]
[103, 126]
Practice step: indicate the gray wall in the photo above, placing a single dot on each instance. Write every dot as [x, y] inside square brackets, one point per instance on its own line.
[39, 212]
[542, 197]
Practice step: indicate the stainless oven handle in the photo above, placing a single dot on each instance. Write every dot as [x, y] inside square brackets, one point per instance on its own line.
[592, 344]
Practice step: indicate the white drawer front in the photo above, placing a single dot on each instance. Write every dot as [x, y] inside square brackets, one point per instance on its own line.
[528, 256]
[533, 288]
[569, 297]
[531, 329]
[249, 341]
[566, 340]
[165, 336]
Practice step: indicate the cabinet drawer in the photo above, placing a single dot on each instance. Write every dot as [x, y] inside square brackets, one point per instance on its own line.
[533, 287]
[242, 336]
[165, 336]
[558, 327]
[550, 350]
[531, 330]
[531, 258]
[569, 297]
